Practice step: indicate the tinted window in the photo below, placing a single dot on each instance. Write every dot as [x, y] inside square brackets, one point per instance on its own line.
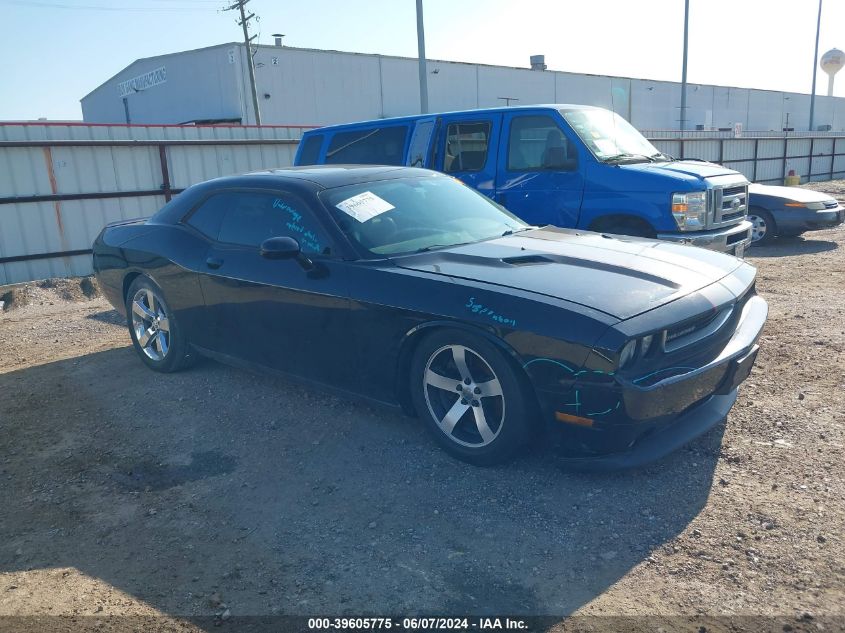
[310, 151]
[537, 143]
[207, 217]
[373, 146]
[251, 218]
[466, 146]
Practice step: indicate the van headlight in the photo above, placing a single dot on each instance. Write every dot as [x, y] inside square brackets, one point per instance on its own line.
[690, 210]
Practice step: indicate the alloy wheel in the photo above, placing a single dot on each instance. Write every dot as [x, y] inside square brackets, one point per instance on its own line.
[464, 396]
[151, 324]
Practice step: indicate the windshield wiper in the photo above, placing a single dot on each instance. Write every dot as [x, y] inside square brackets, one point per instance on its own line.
[512, 231]
[432, 247]
[626, 156]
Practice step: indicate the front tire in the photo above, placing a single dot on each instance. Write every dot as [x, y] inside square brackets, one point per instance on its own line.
[763, 229]
[156, 335]
[470, 397]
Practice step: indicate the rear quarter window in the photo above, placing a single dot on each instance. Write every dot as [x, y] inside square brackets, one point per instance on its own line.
[310, 151]
[369, 146]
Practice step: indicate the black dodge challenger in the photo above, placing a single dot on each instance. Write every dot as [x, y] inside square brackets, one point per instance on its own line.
[406, 287]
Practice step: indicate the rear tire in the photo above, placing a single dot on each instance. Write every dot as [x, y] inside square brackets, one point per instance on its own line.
[763, 228]
[156, 335]
[470, 397]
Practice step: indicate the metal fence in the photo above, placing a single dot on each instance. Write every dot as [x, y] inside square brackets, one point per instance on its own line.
[763, 157]
[60, 184]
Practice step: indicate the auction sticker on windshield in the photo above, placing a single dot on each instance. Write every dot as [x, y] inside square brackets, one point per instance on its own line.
[365, 206]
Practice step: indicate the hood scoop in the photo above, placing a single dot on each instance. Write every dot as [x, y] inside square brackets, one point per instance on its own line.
[527, 260]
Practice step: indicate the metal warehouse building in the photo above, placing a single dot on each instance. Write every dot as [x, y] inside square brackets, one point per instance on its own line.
[300, 86]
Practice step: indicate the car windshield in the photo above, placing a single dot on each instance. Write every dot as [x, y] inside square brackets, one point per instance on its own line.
[406, 215]
[609, 136]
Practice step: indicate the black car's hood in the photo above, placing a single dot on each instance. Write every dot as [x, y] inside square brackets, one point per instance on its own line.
[622, 277]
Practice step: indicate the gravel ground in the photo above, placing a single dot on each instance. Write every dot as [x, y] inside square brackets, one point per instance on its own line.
[216, 492]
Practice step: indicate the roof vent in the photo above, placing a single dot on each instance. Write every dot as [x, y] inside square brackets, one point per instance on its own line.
[277, 39]
[538, 62]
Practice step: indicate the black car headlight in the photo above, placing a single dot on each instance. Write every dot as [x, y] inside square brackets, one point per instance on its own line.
[633, 349]
[628, 353]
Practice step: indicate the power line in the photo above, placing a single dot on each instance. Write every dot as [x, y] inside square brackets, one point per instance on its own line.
[88, 7]
[250, 61]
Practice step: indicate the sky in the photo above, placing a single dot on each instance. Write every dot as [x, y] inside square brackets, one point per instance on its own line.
[54, 52]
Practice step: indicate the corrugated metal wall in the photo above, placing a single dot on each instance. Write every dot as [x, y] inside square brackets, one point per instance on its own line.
[60, 184]
[41, 162]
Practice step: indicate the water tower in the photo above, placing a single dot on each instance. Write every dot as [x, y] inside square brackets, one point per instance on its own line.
[832, 62]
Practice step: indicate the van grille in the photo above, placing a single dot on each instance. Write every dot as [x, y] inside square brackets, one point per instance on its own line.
[731, 204]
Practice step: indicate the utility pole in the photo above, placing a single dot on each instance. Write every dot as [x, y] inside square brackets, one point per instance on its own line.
[815, 68]
[684, 70]
[239, 4]
[421, 54]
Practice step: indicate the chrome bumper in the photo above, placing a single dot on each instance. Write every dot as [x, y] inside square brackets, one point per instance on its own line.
[733, 239]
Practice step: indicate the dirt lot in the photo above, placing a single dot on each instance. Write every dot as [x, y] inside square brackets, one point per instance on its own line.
[219, 493]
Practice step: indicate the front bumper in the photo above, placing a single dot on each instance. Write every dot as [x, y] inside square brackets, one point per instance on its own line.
[733, 239]
[656, 418]
[801, 220]
[660, 441]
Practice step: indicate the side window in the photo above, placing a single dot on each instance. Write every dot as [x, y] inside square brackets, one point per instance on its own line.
[373, 146]
[537, 143]
[466, 146]
[310, 151]
[207, 217]
[420, 141]
[254, 217]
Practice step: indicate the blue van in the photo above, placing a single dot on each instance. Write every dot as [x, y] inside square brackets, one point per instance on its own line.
[567, 165]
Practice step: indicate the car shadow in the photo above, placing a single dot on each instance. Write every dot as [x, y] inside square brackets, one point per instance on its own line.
[112, 317]
[217, 486]
[785, 246]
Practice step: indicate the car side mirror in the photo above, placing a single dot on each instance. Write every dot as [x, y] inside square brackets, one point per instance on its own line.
[285, 248]
[280, 248]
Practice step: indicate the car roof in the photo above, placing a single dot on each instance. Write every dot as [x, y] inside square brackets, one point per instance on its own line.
[323, 176]
[479, 111]
[297, 180]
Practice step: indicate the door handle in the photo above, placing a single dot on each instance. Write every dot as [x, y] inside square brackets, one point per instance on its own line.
[214, 262]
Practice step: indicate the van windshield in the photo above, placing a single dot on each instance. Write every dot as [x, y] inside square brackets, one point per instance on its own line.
[610, 137]
[408, 215]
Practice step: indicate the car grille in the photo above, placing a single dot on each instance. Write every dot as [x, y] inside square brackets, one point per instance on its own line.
[831, 204]
[696, 330]
[731, 204]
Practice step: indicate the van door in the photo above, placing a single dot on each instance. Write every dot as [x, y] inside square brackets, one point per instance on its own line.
[467, 146]
[419, 149]
[538, 175]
